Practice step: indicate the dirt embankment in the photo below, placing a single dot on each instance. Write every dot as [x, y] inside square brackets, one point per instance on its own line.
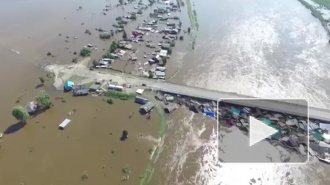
[65, 72]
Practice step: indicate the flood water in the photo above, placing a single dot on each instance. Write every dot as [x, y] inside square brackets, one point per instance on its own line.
[38, 153]
[273, 49]
[259, 48]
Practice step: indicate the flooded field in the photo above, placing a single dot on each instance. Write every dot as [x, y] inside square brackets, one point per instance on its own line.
[38, 152]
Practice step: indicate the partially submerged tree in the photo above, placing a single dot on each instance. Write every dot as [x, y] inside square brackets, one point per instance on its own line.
[74, 60]
[20, 113]
[85, 52]
[189, 30]
[88, 32]
[95, 63]
[124, 35]
[151, 75]
[133, 16]
[114, 46]
[121, 2]
[42, 80]
[169, 51]
[43, 99]
[109, 101]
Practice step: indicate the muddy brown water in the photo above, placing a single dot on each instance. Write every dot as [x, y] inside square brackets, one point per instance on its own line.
[39, 153]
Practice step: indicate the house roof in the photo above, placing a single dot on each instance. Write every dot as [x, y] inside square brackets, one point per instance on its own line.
[163, 53]
[159, 73]
[69, 84]
[139, 91]
[94, 86]
[147, 107]
[31, 106]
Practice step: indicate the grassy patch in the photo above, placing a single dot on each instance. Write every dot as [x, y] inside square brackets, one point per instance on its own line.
[119, 95]
[88, 85]
[175, 74]
[148, 174]
[76, 78]
[192, 17]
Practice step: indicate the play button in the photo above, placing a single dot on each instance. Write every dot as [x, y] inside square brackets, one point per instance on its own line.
[259, 130]
[256, 130]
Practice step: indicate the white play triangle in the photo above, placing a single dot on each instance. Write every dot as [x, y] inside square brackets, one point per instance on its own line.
[259, 130]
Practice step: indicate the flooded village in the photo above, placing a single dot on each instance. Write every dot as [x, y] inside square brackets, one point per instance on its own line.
[99, 113]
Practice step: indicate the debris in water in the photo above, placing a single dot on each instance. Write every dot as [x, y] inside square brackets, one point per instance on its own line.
[84, 176]
[15, 51]
[124, 135]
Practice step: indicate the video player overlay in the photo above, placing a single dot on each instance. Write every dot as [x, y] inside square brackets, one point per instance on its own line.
[263, 130]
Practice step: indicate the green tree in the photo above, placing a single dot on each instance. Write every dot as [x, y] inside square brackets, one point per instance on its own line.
[42, 80]
[108, 55]
[85, 52]
[113, 46]
[124, 35]
[109, 101]
[133, 16]
[43, 99]
[20, 113]
[95, 62]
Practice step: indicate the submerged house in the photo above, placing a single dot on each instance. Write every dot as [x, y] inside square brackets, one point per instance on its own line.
[141, 100]
[31, 107]
[105, 35]
[146, 108]
[94, 87]
[169, 108]
[68, 86]
[80, 92]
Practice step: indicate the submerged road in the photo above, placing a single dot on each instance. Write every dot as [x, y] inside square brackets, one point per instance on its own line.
[295, 107]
